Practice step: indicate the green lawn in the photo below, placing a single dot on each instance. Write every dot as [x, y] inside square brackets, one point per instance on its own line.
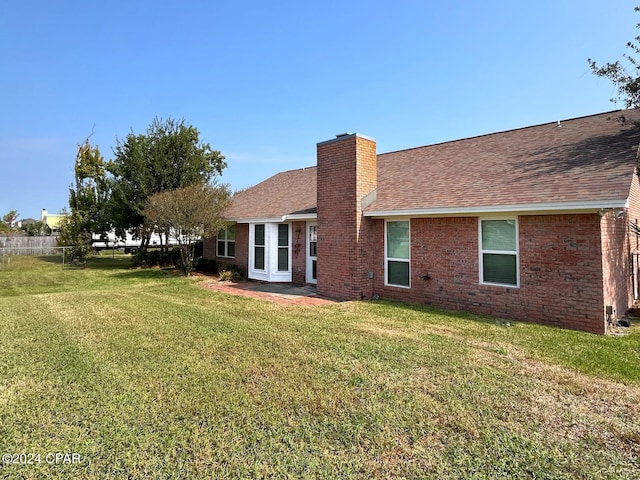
[143, 374]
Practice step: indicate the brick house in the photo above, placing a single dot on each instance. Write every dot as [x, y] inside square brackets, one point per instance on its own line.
[530, 224]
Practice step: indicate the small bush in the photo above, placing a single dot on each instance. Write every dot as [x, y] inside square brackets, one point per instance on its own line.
[158, 258]
[199, 249]
[207, 265]
[79, 254]
[230, 272]
[174, 257]
[227, 276]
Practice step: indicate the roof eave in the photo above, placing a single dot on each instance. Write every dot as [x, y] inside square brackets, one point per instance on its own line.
[300, 217]
[293, 217]
[590, 206]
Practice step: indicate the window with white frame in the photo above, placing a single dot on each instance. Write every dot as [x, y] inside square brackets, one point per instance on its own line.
[283, 247]
[397, 248]
[499, 252]
[258, 246]
[227, 242]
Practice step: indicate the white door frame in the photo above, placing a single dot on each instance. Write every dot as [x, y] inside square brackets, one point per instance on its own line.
[311, 259]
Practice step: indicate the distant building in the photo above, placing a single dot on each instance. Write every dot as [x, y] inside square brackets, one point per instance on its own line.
[52, 220]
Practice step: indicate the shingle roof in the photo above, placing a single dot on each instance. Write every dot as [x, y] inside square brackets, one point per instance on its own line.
[586, 159]
[286, 193]
[583, 159]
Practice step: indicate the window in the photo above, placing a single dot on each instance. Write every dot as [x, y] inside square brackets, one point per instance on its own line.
[397, 254]
[312, 253]
[258, 247]
[499, 252]
[283, 247]
[270, 252]
[227, 242]
[313, 240]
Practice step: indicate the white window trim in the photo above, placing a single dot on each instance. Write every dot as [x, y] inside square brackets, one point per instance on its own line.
[252, 271]
[393, 259]
[287, 246]
[226, 242]
[499, 252]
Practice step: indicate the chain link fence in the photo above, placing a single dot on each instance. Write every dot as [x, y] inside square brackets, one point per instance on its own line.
[20, 245]
[60, 255]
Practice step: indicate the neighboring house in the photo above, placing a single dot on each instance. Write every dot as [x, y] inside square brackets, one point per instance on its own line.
[51, 220]
[27, 221]
[530, 224]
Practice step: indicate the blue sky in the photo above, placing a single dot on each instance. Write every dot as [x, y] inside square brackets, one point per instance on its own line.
[264, 82]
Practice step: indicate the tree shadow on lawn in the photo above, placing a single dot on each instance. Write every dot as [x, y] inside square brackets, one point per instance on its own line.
[147, 273]
[101, 263]
[57, 258]
[448, 314]
[123, 264]
[110, 263]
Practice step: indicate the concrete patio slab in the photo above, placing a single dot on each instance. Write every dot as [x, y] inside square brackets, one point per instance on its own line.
[285, 290]
[284, 293]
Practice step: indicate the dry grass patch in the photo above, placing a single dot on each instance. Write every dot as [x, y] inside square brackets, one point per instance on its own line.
[580, 407]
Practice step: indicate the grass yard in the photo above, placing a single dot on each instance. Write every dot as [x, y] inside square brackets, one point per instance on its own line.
[142, 374]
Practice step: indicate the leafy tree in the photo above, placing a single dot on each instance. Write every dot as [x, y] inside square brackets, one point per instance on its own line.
[7, 227]
[169, 156]
[72, 234]
[189, 214]
[625, 77]
[87, 199]
[36, 229]
[8, 220]
[92, 187]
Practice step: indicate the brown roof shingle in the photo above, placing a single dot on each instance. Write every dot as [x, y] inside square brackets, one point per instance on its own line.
[584, 159]
[286, 193]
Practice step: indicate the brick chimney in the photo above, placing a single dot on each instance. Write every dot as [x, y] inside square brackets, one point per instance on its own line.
[347, 171]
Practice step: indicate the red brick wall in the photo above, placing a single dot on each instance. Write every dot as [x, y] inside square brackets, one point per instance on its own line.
[346, 173]
[209, 248]
[634, 211]
[560, 270]
[242, 248]
[617, 288]
[445, 250]
[633, 214]
[298, 252]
